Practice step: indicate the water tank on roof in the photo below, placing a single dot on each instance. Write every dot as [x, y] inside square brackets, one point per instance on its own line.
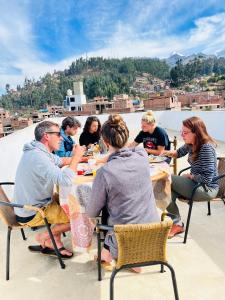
[69, 92]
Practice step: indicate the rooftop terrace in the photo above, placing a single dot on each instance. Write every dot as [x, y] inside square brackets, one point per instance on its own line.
[199, 264]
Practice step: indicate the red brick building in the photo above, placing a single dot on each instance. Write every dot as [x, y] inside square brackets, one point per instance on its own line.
[201, 100]
[20, 123]
[164, 102]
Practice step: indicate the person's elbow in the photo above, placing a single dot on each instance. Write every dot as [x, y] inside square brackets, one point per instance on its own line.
[66, 179]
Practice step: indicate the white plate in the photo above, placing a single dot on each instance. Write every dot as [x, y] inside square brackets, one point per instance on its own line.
[156, 159]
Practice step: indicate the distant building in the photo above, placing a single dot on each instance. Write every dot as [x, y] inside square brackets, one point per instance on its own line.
[162, 101]
[75, 100]
[55, 110]
[122, 103]
[38, 116]
[20, 123]
[1, 129]
[4, 114]
[8, 124]
[98, 105]
[201, 100]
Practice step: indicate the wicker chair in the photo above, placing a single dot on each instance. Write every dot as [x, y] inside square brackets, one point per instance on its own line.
[174, 160]
[138, 245]
[8, 217]
[220, 195]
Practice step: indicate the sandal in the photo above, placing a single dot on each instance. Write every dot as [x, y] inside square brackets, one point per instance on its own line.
[51, 252]
[37, 248]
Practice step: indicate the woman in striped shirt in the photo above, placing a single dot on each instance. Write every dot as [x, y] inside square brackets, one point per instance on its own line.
[200, 148]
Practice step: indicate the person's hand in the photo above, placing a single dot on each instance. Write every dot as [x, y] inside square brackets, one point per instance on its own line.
[85, 159]
[169, 153]
[166, 153]
[78, 151]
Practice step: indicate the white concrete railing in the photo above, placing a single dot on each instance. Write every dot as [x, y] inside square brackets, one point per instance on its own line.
[11, 146]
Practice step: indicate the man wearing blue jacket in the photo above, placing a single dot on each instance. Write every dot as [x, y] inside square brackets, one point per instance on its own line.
[69, 128]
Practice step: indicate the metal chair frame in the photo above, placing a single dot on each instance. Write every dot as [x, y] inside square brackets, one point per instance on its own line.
[21, 227]
[105, 228]
[174, 163]
[191, 201]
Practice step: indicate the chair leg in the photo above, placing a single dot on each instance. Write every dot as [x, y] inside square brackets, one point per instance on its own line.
[99, 256]
[23, 234]
[174, 281]
[162, 269]
[111, 297]
[8, 252]
[188, 221]
[209, 209]
[54, 244]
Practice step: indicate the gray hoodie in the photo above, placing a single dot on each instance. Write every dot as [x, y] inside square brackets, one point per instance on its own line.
[124, 187]
[36, 175]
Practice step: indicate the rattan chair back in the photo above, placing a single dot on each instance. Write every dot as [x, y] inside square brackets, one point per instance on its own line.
[7, 214]
[140, 243]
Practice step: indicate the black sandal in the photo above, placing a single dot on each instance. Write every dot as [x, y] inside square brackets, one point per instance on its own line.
[51, 252]
[37, 248]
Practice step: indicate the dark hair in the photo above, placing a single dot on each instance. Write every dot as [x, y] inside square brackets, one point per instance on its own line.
[71, 122]
[115, 131]
[197, 126]
[88, 123]
[43, 127]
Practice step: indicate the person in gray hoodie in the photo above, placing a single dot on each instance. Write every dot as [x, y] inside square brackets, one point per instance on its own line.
[37, 173]
[122, 185]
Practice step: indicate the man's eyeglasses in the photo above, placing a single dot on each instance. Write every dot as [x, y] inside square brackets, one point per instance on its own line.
[54, 132]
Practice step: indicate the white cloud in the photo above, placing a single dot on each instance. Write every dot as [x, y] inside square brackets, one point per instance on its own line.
[144, 31]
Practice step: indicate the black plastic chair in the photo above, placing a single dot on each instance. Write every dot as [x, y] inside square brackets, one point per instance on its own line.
[8, 217]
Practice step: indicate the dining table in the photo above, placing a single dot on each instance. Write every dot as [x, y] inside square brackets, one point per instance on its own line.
[74, 198]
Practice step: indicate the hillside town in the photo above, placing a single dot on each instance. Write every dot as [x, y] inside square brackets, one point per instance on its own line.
[152, 94]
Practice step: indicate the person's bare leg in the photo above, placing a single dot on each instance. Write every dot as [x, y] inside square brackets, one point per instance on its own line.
[45, 241]
[106, 255]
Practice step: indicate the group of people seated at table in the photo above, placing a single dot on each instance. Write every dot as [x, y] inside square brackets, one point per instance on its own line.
[121, 187]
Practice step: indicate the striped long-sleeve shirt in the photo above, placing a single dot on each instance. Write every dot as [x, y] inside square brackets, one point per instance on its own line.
[204, 168]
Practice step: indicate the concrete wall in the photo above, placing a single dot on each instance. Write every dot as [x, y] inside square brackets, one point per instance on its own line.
[11, 146]
[214, 120]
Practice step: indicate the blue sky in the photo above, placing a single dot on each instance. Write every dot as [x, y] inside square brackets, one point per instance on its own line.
[39, 36]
